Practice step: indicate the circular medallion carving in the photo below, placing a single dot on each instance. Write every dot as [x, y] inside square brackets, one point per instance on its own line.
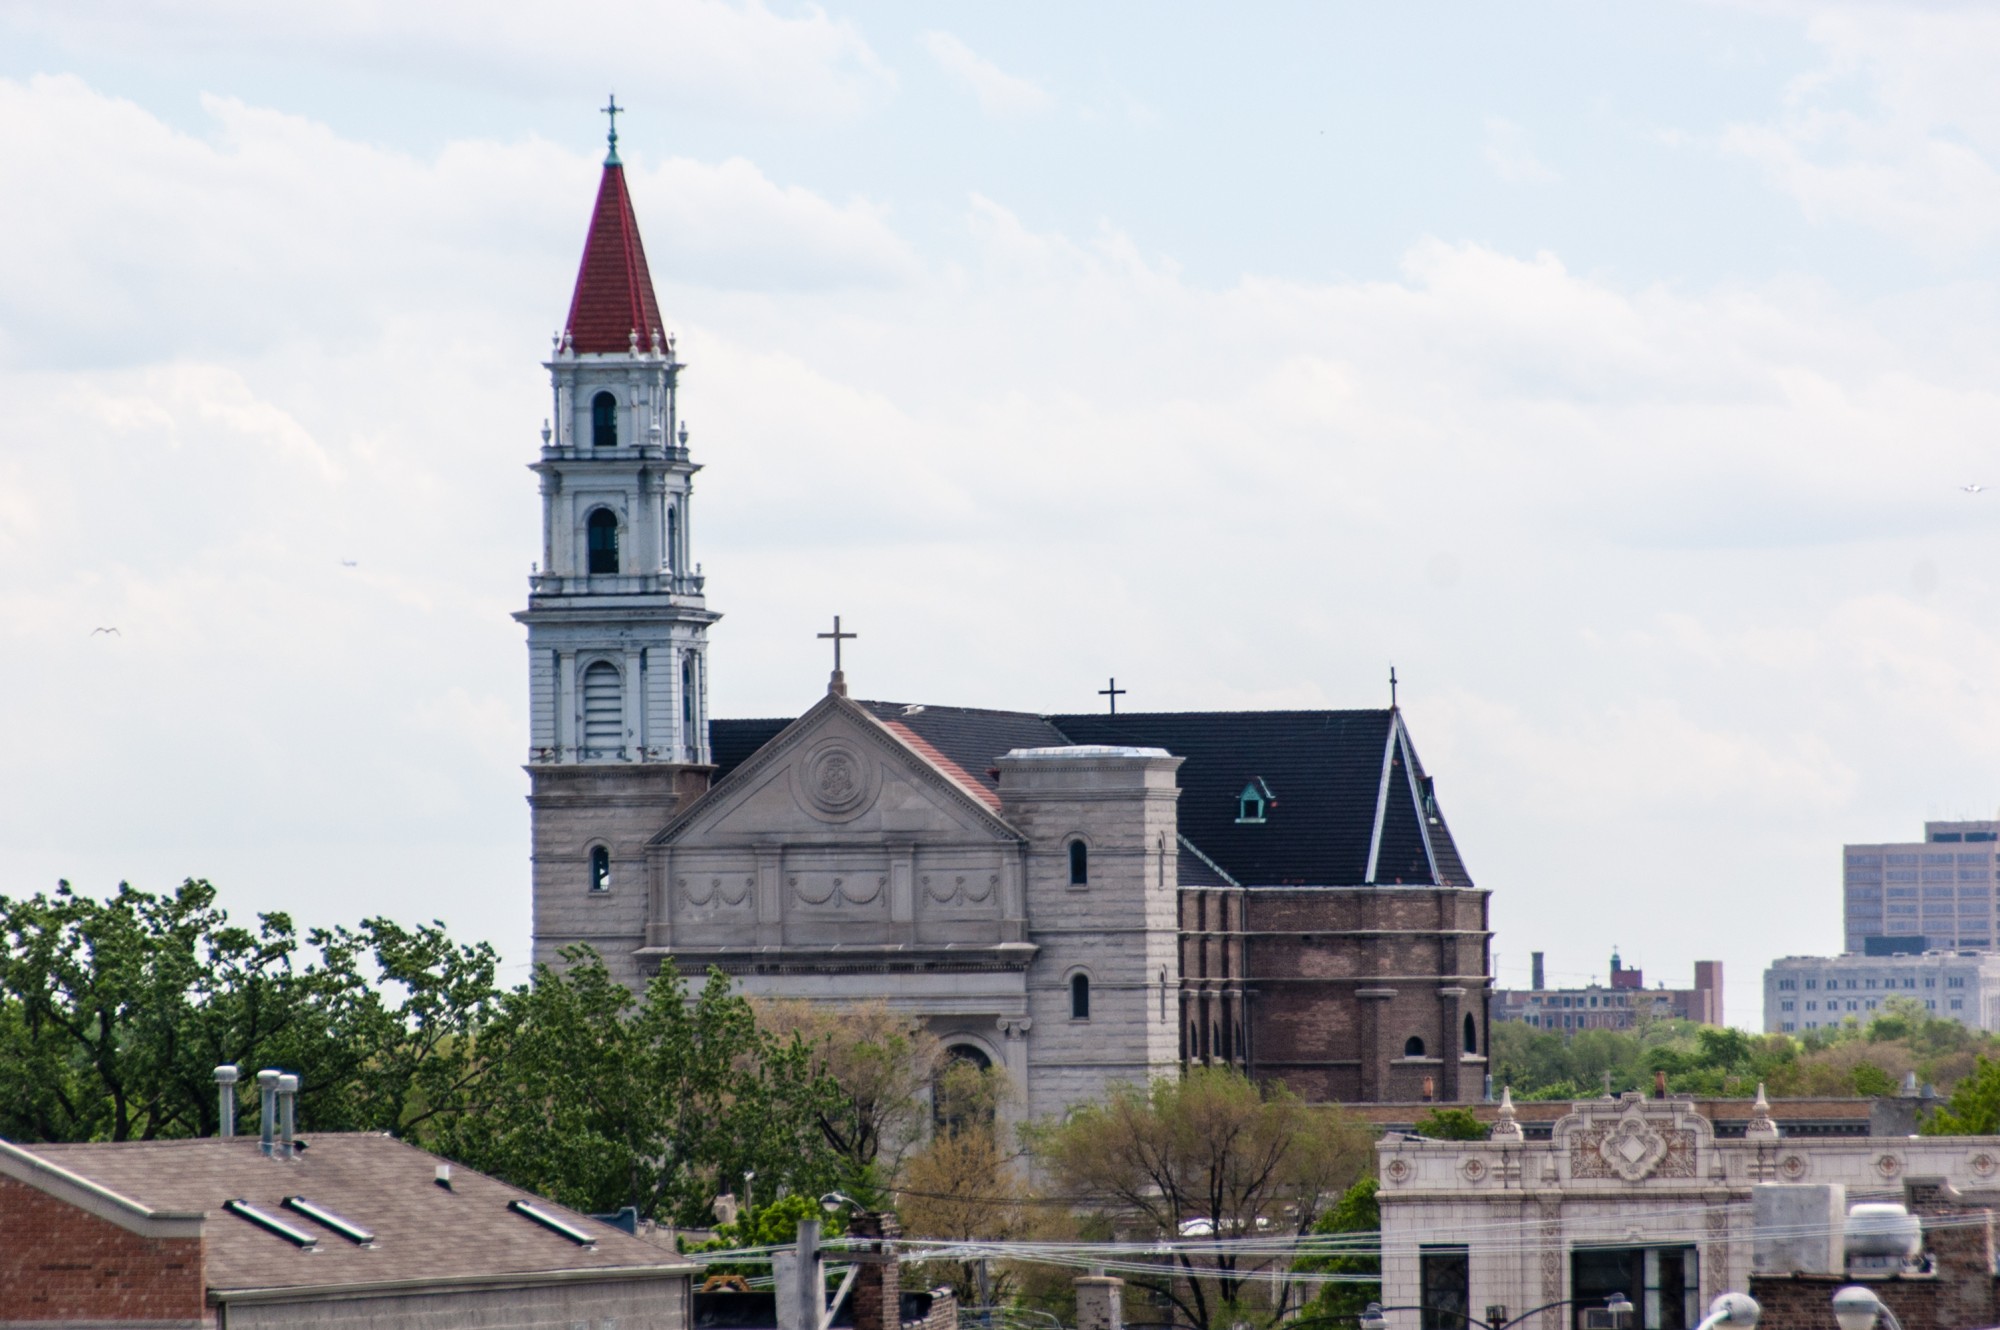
[1793, 1166]
[1888, 1166]
[1397, 1170]
[1984, 1164]
[836, 782]
[1474, 1169]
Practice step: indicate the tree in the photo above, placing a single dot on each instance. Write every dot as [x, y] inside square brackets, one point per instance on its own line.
[1209, 1154]
[1358, 1211]
[1974, 1106]
[883, 1062]
[1451, 1124]
[114, 1014]
[602, 1100]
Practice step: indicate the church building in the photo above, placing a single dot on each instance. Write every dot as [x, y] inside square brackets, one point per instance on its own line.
[1078, 899]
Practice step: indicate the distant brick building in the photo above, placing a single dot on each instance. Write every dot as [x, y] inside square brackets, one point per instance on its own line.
[1616, 1007]
[1078, 900]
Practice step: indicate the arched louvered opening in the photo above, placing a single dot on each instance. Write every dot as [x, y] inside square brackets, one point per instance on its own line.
[1413, 1047]
[603, 529]
[1079, 997]
[603, 710]
[604, 421]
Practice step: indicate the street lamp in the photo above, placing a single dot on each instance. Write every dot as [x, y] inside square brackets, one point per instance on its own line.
[1856, 1308]
[1739, 1311]
[833, 1200]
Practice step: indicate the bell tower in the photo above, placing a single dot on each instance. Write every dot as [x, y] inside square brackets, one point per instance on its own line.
[617, 622]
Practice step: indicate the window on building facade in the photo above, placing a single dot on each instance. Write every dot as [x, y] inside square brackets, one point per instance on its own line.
[1788, 983]
[1958, 1004]
[1471, 1034]
[1079, 864]
[1812, 983]
[1446, 1276]
[600, 869]
[604, 421]
[1812, 1006]
[1930, 982]
[1413, 1047]
[1786, 1026]
[1662, 1283]
[1079, 997]
[603, 540]
[1786, 1005]
[1250, 803]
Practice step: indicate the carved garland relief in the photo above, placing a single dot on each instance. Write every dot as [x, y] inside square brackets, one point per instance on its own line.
[960, 888]
[727, 891]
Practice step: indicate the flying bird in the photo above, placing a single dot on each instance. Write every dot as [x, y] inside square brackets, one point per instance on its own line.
[349, 563]
[1972, 489]
[113, 631]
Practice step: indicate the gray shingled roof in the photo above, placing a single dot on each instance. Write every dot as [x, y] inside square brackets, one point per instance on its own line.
[1323, 769]
[422, 1231]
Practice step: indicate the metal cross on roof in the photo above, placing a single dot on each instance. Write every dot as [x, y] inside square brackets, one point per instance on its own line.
[1114, 692]
[838, 637]
[611, 108]
[1392, 688]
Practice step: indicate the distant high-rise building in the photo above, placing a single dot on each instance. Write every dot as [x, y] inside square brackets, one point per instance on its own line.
[1929, 895]
[1804, 993]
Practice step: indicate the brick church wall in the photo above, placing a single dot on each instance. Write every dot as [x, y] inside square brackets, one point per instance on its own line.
[1342, 978]
[59, 1263]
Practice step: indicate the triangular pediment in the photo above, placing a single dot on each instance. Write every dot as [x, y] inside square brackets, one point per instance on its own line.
[838, 774]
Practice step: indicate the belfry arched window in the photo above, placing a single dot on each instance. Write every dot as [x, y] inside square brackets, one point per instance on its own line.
[603, 536]
[1413, 1047]
[673, 538]
[1079, 997]
[603, 710]
[1471, 1034]
[687, 701]
[1079, 864]
[604, 421]
[600, 869]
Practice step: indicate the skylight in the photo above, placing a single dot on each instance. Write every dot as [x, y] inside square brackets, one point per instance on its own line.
[548, 1221]
[328, 1219]
[270, 1223]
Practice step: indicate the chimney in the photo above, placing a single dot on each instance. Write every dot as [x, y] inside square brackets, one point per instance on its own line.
[1537, 982]
[267, 1095]
[225, 1088]
[1099, 1302]
[1659, 1085]
[288, 1097]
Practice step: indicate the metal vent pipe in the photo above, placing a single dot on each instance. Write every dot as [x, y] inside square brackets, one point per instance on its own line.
[288, 1096]
[226, 1077]
[267, 1095]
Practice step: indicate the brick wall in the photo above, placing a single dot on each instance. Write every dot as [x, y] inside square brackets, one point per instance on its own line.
[1342, 978]
[1805, 1302]
[61, 1263]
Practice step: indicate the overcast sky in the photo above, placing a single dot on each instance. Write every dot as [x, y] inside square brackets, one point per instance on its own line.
[1611, 370]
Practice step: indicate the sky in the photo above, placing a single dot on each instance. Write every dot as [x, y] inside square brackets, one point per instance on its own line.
[1611, 371]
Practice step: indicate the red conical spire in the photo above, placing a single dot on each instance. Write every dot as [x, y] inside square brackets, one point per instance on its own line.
[614, 291]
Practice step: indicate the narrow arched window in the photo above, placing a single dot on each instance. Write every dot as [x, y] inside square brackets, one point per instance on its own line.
[1079, 997]
[604, 421]
[1471, 1035]
[600, 869]
[1079, 864]
[1413, 1047]
[603, 711]
[673, 538]
[603, 528]
[687, 701]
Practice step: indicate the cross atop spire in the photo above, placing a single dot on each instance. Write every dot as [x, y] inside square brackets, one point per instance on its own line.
[611, 109]
[838, 683]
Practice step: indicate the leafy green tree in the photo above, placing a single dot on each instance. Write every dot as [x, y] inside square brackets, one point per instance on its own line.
[114, 1014]
[1451, 1124]
[1974, 1106]
[603, 1100]
[1358, 1211]
[1208, 1154]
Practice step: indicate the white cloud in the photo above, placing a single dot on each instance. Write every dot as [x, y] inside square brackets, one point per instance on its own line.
[1642, 554]
[1508, 153]
[1002, 96]
[1897, 130]
[730, 55]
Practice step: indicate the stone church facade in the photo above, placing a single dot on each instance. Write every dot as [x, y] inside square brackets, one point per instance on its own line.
[1080, 900]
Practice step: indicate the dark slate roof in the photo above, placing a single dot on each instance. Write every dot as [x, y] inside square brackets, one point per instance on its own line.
[422, 1231]
[1323, 770]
